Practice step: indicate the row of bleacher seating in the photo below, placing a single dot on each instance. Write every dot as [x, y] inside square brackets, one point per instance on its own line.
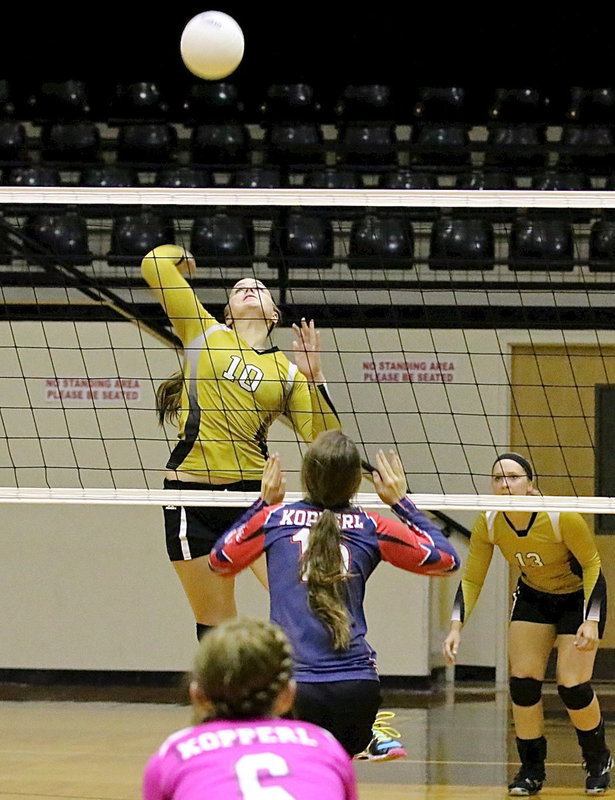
[182, 176]
[303, 145]
[535, 242]
[76, 99]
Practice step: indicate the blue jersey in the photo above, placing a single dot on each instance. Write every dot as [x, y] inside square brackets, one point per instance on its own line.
[412, 543]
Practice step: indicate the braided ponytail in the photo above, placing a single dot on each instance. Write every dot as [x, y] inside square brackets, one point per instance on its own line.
[242, 666]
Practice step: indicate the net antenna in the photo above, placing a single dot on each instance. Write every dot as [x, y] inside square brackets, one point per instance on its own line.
[489, 336]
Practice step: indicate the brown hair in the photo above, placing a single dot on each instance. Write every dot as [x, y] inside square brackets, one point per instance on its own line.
[241, 667]
[330, 474]
[168, 398]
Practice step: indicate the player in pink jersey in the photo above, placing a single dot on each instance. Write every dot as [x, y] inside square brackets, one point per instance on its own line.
[240, 747]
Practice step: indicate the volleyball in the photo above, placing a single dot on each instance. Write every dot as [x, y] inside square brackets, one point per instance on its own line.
[212, 45]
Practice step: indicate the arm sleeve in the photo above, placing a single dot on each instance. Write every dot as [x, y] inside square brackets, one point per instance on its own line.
[152, 780]
[414, 544]
[242, 544]
[177, 297]
[309, 409]
[473, 578]
[581, 542]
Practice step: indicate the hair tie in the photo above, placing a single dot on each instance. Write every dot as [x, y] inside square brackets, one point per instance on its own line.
[523, 462]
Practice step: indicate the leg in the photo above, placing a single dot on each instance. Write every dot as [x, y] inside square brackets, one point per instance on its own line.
[529, 646]
[211, 597]
[574, 672]
[329, 705]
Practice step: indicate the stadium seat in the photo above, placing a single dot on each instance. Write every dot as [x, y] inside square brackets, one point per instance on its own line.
[13, 142]
[520, 105]
[332, 178]
[301, 240]
[440, 104]
[541, 244]
[478, 180]
[289, 102]
[584, 148]
[462, 243]
[378, 242]
[602, 245]
[256, 178]
[33, 175]
[222, 144]
[60, 101]
[223, 239]
[211, 101]
[183, 177]
[71, 142]
[134, 234]
[591, 106]
[293, 144]
[137, 101]
[7, 101]
[401, 179]
[556, 181]
[111, 175]
[362, 103]
[516, 146]
[56, 238]
[440, 145]
[146, 143]
[366, 145]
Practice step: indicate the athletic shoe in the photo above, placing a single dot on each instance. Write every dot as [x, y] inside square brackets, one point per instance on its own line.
[598, 774]
[523, 784]
[385, 744]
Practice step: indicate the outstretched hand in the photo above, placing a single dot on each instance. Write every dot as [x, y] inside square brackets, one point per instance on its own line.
[389, 477]
[273, 485]
[306, 350]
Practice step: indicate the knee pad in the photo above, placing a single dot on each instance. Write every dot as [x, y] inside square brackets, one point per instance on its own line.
[525, 691]
[576, 697]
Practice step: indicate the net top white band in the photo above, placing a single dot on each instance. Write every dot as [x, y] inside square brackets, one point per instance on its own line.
[381, 198]
[427, 502]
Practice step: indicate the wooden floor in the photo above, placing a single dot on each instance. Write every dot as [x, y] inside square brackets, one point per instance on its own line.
[459, 746]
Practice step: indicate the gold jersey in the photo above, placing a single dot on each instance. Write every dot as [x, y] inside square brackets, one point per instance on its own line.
[557, 554]
[232, 393]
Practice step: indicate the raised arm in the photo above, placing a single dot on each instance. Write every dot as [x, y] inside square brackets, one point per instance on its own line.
[309, 407]
[415, 544]
[165, 269]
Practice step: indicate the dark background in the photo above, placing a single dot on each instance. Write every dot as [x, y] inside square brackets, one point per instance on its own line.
[324, 44]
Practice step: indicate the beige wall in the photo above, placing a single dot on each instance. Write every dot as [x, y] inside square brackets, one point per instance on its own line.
[89, 587]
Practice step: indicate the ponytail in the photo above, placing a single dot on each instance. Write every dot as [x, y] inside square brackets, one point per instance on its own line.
[168, 399]
[323, 565]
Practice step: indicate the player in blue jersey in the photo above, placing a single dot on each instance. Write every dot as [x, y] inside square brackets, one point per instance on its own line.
[320, 554]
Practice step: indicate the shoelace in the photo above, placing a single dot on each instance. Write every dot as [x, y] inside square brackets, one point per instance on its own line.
[381, 729]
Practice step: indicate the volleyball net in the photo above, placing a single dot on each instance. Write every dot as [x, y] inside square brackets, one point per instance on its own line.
[455, 325]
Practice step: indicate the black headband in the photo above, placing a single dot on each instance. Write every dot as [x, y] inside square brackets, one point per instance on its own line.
[520, 460]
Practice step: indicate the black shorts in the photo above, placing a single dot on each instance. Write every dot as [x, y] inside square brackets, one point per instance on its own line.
[347, 709]
[192, 531]
[564, 611]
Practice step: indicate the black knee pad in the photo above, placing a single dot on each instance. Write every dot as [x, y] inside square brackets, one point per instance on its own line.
[576, 697]
[525, 691]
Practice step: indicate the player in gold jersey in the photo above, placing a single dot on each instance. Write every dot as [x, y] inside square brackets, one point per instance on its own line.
[560, 600]
[232, 387]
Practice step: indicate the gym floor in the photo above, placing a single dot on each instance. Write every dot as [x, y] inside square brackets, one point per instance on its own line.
[459, 741]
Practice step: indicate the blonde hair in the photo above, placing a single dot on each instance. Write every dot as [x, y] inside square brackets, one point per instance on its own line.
[330, 474]
[241, 667]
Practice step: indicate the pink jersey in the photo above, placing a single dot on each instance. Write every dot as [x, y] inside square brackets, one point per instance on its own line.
[275, 759]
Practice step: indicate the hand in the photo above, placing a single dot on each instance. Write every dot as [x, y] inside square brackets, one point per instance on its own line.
[273, 485]
[587, 635]
[306, 349]
[450, 647]
[186, 265]
[389, 478]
